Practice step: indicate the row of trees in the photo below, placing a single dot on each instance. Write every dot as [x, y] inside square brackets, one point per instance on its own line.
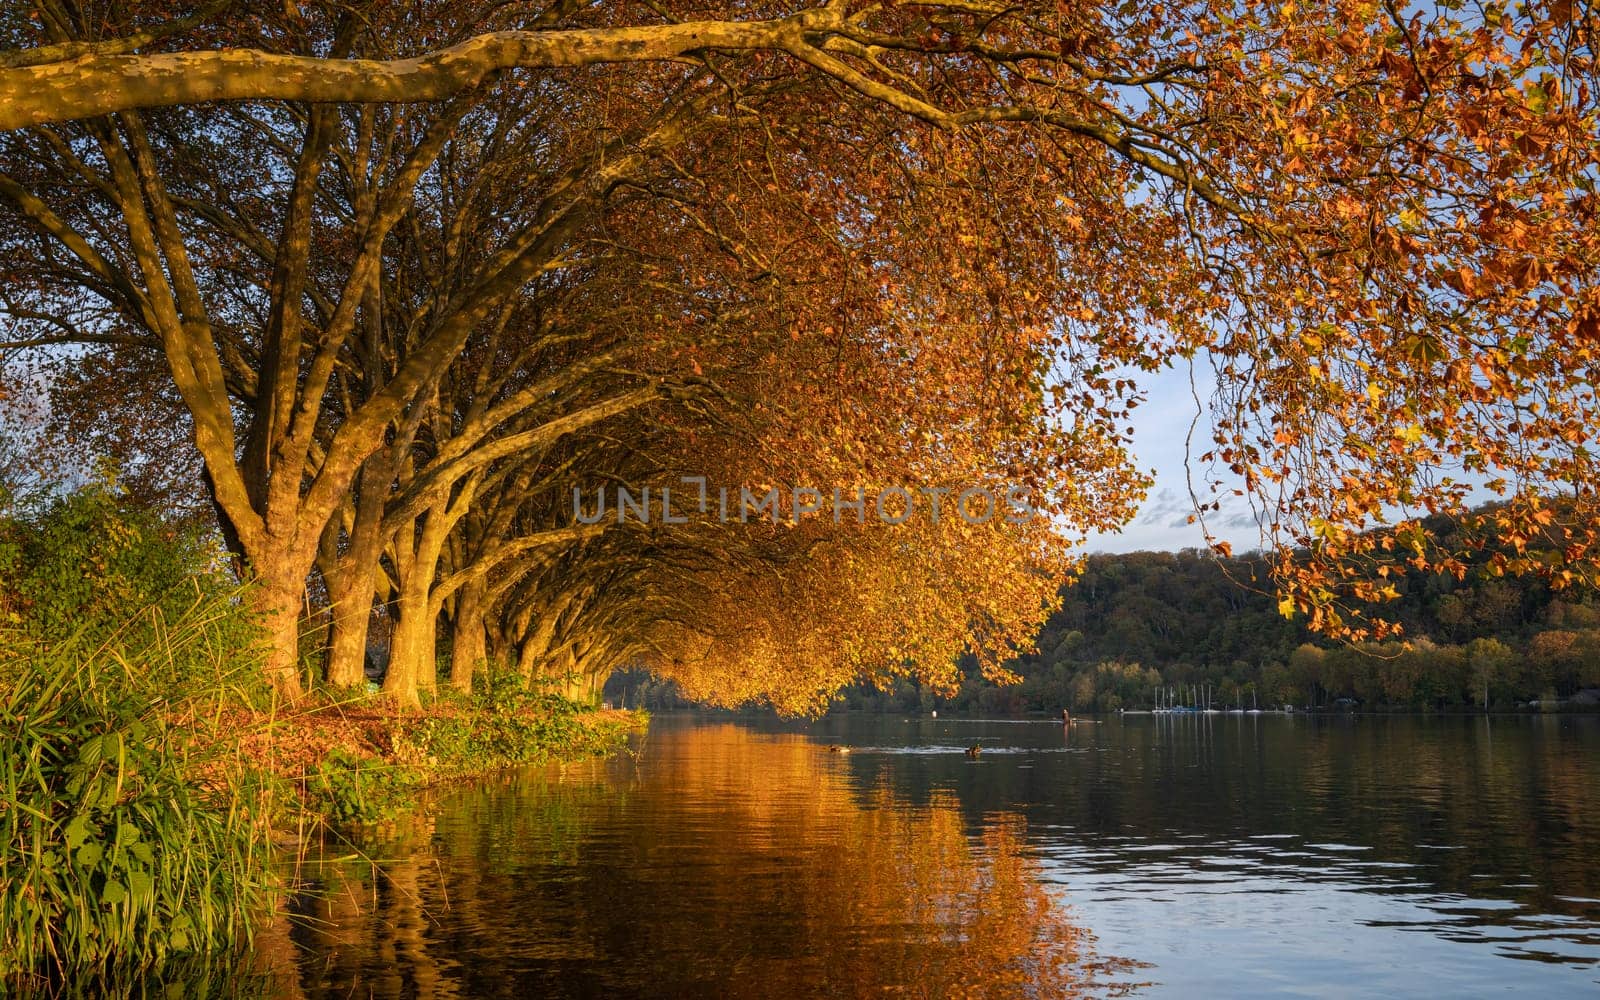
[1420, 676]
[421, 270]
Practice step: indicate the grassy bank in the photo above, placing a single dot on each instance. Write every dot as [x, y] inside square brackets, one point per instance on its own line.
[128, 833]
[151, 786]
[358, 763]
[150, 790]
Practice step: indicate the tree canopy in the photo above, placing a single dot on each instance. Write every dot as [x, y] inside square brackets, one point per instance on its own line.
[411, 274]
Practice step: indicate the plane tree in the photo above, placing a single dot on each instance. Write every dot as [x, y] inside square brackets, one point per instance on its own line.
[1376, 224]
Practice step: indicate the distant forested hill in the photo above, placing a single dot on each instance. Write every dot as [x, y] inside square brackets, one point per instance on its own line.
[1146, 620]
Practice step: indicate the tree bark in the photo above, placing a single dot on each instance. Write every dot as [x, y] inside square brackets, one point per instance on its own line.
[350, 592]
[411, 654]
[533, 660]
[468, 638]
[57, 89]
[350, 588]
[276, 600]
[412, 650]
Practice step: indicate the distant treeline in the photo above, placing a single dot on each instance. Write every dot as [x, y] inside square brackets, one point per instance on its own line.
[1148, 622]
[1145, 622]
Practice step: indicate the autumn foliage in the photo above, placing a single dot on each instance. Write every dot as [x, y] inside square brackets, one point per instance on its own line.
[530, 248]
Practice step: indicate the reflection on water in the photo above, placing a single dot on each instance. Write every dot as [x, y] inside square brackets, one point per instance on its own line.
[715, 862]
[1237, 855]
[1270, 855]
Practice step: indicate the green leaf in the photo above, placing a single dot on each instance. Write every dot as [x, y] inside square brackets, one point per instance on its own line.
[91, 752]
[77, 831]
[141, 885]
[114, 892]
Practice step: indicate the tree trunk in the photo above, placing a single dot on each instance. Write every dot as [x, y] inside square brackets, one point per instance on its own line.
[468, 640]
[411, 652]
[532, 662]
[528, 661]
[542, 654]
[501, 649]
[350, 589]
[583, 685]
[277, 604]
[568, 674]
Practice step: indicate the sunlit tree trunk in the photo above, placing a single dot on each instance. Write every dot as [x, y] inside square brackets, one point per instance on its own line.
[412, 668]
[350, 593]
[468, 642]
[501, 649]
[534, 662]
[350, 585]
[277, 601]
[411, 657]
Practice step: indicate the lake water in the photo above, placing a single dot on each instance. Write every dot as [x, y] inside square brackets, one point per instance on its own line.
[1221, 855]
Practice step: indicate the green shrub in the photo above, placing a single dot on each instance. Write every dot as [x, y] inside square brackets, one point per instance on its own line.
[127, 837]
[350, 791]
[92, 566]
[503, 723]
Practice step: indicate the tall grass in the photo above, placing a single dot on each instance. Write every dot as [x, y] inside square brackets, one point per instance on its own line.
[128, 837]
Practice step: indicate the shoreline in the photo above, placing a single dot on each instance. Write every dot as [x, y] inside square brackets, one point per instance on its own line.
[291, 784]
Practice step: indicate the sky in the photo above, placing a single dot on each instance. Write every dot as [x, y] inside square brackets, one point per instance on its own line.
[1160, 426]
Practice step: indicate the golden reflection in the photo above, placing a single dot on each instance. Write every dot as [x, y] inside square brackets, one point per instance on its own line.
[720, 863]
